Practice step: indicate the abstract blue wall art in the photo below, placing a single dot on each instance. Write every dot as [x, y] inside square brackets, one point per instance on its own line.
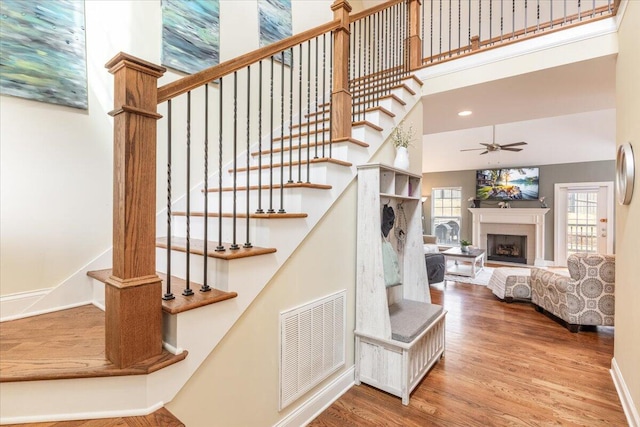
[190, 34]
[275, 23]
[43, 51]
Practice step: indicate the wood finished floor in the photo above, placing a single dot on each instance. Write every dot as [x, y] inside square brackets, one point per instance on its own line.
[504, 365]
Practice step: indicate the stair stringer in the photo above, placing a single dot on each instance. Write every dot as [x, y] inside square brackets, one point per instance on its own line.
[88, 398]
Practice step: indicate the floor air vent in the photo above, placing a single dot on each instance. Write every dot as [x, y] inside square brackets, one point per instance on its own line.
[312, 345]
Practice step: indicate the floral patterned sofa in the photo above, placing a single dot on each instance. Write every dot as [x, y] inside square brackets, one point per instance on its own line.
[585, 298]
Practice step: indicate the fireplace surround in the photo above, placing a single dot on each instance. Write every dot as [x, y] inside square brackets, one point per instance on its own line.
[528, 222]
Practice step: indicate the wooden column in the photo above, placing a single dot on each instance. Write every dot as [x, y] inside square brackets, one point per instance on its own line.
[414, 42]
[133, 293]
[341, 96]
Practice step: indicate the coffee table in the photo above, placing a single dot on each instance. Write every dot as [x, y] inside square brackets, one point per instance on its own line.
[465, 263]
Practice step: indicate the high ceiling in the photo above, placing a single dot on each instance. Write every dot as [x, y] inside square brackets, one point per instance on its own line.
[565, 114]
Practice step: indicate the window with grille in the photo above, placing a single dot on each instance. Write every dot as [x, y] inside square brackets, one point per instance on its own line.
[446, 215]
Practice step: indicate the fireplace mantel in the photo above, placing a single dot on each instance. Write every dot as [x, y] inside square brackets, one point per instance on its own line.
[511, 216]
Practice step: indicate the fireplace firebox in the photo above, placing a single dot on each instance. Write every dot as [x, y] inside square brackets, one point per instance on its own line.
[507, 248]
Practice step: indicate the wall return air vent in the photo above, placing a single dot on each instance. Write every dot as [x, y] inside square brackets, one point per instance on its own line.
[312, 345]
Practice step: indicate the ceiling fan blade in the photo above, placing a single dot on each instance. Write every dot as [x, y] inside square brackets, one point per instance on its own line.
[511, 149]
[484, 153]
[514, 144]
[485, 144]
[472, 149]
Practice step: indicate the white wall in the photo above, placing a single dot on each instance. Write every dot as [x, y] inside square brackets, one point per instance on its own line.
[627, 343]
[56, 162]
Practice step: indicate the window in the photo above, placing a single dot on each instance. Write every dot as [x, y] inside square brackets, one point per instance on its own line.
[446, 215]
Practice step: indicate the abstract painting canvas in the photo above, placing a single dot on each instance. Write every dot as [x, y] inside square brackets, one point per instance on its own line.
[275, 23]
[190, 34]
[43, 51]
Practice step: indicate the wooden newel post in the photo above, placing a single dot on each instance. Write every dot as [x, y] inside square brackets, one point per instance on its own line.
[340, 95]
[133, 293]
[414, 42]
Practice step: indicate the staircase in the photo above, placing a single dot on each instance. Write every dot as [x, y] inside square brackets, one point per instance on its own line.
[239, 275]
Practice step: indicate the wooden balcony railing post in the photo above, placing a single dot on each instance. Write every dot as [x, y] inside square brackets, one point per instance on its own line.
[414, 42]
[341, 96]
[133, 319]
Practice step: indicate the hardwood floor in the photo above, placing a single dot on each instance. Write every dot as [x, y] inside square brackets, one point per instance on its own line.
[504, 365]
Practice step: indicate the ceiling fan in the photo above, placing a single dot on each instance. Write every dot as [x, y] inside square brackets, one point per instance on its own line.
[493, 147]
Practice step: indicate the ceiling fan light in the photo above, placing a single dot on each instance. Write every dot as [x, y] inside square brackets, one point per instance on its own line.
[465, 113]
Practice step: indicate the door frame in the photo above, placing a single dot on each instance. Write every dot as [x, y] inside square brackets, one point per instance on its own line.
[560, 205]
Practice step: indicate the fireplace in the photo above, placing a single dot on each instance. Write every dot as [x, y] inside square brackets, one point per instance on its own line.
[507, 248]
[514, 222]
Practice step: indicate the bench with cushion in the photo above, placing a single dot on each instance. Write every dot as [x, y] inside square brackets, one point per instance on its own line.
[398, 364]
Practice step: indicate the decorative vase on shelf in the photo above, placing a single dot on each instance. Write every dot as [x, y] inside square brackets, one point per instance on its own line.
[402, 158]
[464, 249]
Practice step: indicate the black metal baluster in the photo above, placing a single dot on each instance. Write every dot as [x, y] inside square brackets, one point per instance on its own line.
[300, 113]
[324, 90]
[501, 20]
[234, 241]
[291, 118]
[538, 15]
[470, 24]
[308, 106]
[271, 210]
[259, 209]
[168, 295]
[220, 247]
[315, 155]
[513, 19]
[480, 22]
[490, 21]
[331, 97]
[564, 20]
[579, 10]
[449, 48]
[247, 243]
[281, 210]
[360, 66]
[526, 12]
[187, 290]
[440, 31]
[459, 26]
[205, 286]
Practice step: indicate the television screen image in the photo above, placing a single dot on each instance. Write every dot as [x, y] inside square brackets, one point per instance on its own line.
[507, 184]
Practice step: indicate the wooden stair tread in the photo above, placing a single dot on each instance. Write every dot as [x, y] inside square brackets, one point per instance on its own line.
[373, 89]
[276, 215]
[276, 186]
[296, 163]
[65, 344]
[180, 303]
[311, 146]
[197, 247]
[161, 417]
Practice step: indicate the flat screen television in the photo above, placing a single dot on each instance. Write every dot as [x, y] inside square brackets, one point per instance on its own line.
[507, 184]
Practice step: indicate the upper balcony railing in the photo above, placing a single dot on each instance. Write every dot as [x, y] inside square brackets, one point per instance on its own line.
[454, 28]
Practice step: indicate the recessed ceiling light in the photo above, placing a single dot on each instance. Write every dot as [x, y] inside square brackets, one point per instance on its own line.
[465, 113]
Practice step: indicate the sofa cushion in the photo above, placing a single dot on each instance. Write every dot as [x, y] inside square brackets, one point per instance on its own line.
[409, 318]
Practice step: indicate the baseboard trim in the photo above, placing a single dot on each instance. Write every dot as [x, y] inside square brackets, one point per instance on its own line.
[11, 306]
[82, 415]
[320, 401]
[630, 411]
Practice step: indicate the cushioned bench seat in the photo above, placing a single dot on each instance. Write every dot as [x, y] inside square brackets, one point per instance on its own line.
[409, 318]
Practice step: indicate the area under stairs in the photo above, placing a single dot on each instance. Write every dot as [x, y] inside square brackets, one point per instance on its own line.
[238, 276]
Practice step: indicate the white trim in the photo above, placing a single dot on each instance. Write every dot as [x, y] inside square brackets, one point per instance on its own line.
[630, 411]
[83, 415]
[45, 311]
[320, 401]
[171, 349]
[14, 304]
[622, 8]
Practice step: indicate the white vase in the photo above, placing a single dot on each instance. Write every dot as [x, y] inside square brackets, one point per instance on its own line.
[402, 158]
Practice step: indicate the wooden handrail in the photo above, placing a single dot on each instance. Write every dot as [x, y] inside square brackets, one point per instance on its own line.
[373, 10]
[184, 85]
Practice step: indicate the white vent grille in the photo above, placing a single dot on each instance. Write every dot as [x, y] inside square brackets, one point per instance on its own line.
[312, 345]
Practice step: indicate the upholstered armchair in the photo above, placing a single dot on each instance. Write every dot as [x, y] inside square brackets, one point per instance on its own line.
[585, 298]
